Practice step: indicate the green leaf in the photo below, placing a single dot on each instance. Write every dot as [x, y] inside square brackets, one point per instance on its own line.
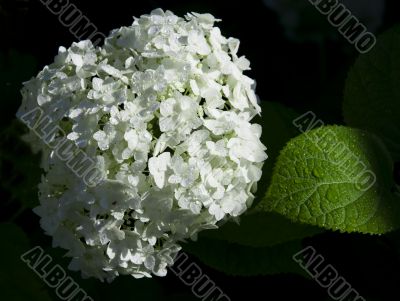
[237, 260]
[337, 178]
[259, 229]
[17, 281]
[278, 129]
[372, 93]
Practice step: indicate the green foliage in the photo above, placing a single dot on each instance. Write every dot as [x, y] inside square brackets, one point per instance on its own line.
[372, 93]
[319, 180]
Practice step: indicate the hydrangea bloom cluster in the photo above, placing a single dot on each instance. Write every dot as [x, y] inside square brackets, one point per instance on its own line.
[164, 109]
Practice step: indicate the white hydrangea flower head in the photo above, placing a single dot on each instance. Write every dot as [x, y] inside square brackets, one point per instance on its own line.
[165, 111]
[302, 21]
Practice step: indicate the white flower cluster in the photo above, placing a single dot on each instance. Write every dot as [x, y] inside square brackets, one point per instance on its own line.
[164, 109]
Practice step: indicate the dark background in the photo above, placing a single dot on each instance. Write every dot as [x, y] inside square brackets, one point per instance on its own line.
[303, 75]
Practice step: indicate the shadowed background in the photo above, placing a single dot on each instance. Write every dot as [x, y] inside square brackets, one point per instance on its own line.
[301, 73]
